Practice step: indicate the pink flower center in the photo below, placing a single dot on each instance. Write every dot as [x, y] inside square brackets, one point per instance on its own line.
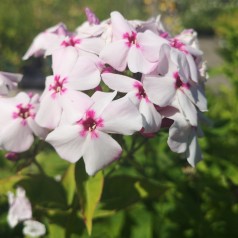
[71, 41]
[140, 92]
[90, 123]
[130, 39]
[179, 83]
[24, 112]
[175, 43]
[58, 85]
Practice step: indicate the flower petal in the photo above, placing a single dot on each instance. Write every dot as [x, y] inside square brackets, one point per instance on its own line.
[84, 75]
[93, 45]
[74, 105]
[151, 118]
[122, 117]
[115, 54]
[179, 134]
[101, 101]
[151, 44]
[63, 61]
[100, 152]
[192, 68]
[197, 95]
[49, 113]
[138, 63]
[194, 154]
[119, 82]
[160, 90]
[68, 142]
[36, 129]
[42, 43]
[187, 108]
[120, 25]
[16, 137]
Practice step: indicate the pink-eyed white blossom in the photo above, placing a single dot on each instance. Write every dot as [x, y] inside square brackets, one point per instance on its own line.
[88, 136]
[9, 82]
[140, 51]
[83, 44]
[71, 72]
[20, 207]
[17, 122]
[135, 91]
[176, 88]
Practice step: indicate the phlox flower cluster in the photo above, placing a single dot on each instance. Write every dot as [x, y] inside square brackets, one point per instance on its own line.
[115, 76]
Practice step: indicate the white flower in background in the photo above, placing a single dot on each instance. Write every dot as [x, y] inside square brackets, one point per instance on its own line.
[33, 228]
[20, 207]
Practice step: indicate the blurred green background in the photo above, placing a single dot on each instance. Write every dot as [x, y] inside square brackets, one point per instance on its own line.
[201, 202]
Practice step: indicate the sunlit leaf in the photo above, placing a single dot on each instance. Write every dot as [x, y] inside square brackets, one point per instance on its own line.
[68, 182]
[56, 231]
[89, 191]
[6, 184]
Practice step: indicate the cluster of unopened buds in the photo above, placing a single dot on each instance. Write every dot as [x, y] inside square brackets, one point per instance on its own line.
[116, 76]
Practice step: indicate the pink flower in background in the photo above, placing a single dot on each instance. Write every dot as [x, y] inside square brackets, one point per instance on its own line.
[17, 122]
[20, 207]
[8, 82]
[88, 136]
[135, 91]
[139, 51]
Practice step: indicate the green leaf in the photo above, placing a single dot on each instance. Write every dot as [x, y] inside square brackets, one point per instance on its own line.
[123, 191]
[51, 163]
[56, 231]
[68, 182]
[7, 184]
[89, 191]
[44, 191]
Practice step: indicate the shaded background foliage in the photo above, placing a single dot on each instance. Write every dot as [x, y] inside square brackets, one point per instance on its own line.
[151, 192]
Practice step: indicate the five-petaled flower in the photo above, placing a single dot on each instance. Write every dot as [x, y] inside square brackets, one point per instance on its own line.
[88, 137]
